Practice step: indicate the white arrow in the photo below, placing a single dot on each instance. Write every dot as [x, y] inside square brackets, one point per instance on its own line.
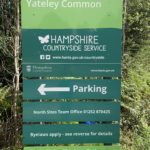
[42, 89]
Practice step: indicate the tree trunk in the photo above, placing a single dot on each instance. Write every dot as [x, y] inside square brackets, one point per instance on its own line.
[124, 24]
[17, 70]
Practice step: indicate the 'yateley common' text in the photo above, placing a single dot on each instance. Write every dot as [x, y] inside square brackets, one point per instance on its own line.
[55, 4]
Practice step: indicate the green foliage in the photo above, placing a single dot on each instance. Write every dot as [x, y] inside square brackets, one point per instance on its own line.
[137, 24]
[7, 44]
[5, 102]
[136, 78]
[133, 141]
[136, 101]
[7, 17]
[6, 61]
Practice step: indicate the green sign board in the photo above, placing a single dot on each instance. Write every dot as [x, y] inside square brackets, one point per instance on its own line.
[70, 133]
[66, 14]
[71, 89]
[71, 38]
[71, 53]
[62, 70]
[70, 111]
[74, 148]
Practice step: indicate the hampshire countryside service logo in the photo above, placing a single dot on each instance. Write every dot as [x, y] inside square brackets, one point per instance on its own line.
[44, 40]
